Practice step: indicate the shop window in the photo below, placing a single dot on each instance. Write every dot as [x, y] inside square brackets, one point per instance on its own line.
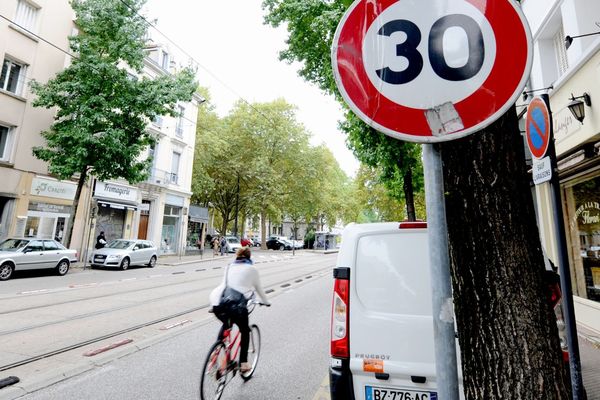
[32, 226]
[179, 126]
[175, 160]
[12, 76]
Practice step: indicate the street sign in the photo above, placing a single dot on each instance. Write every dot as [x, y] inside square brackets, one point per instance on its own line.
[538, 125]
[431, 71]
[542, 170]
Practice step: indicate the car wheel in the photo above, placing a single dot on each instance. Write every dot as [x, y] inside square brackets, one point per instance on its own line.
[6, 271]
[152, 262]
[62, 268]
[281, 247]
[125, 264]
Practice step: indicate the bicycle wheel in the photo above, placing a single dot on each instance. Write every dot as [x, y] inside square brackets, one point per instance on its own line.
[214, 373]
[253, 351]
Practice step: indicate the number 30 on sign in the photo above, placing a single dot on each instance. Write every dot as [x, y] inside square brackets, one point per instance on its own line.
[431, 71]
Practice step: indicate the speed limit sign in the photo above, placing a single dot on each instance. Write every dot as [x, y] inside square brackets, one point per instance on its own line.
[431, 71]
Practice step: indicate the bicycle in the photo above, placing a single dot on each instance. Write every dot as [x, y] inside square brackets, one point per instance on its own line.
[221, 365]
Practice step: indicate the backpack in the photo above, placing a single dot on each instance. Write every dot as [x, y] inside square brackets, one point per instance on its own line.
[232, 304]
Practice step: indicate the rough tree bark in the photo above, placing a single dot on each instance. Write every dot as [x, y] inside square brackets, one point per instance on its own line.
[411, 214]
[507, 331]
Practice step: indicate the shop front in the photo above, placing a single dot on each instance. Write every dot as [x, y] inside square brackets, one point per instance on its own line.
[171, 233]
[49, 208]
[196, 229]
[115, 205]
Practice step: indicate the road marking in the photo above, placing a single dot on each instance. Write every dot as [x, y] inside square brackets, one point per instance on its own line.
[285, 285]
[82, 285]
[201, 269]
[128, 279]
[34, 291]
[269, 291]
[180, 323]
[177, 272]
[323, 392]
[92, 353]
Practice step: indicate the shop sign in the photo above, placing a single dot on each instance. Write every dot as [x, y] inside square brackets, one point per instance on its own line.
[49, 208]
[116, 192]
[564, 124]
[587, 213]
[51, 188]
[175, 200]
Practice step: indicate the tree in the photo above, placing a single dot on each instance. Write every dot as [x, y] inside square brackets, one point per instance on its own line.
[508, 335]
[311, 26]
[102, 112]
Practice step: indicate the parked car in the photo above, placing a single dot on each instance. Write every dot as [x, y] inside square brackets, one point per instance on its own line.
[19, 254]
[256, 241]
[122, 253]
[233, 244]
[279, 243]
[247, 242]
[382, 290]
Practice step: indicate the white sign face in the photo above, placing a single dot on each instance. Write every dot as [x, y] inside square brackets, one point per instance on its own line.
[116, 192]
[468, 43]
[51, 188]
[542, 170]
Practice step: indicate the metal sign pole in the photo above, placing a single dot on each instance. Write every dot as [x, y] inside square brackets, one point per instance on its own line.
[563, 267]
[441, 291]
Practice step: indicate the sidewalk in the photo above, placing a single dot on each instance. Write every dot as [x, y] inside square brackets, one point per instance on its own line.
[589, 352]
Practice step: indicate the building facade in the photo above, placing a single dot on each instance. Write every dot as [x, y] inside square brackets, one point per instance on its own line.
[35, 204]
[32, 203]
[571, 71]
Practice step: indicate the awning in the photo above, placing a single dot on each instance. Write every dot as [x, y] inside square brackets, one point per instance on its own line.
[117, 206]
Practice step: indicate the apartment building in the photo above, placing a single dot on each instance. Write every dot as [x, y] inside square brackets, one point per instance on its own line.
[35, 204]
[570, 68]
[31, 202]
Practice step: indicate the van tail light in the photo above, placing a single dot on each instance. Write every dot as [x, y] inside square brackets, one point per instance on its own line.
[340, 343]
[554, 295]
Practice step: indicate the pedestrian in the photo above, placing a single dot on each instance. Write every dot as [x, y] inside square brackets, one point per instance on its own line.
[100, 240]
[215, 246]
[223, 245]
[326, 244]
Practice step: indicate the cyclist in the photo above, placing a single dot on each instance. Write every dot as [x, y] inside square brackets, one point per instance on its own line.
[242, 276]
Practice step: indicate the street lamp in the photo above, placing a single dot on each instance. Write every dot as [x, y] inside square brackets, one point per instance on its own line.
[569, 39]
[576, 106]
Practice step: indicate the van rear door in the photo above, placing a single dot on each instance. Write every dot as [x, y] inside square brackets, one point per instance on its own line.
[391, 329]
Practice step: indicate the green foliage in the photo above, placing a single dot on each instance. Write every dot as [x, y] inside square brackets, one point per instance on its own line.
[311, 26]
[102, 108]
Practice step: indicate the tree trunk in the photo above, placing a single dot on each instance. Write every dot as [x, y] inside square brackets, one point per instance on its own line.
[263, 230]
[409, 197]
[507, 330]
[80, 183]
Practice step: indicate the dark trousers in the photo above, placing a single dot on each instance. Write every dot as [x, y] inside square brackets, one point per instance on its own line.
[241, 321]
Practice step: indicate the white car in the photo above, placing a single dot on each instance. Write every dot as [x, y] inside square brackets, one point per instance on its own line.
[122, 253]
[233, 244]
[18, 254]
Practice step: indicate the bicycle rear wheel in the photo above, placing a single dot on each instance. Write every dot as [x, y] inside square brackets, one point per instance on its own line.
[253, 351]
[214, 373]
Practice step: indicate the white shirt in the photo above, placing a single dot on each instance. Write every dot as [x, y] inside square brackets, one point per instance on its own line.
[242, 277]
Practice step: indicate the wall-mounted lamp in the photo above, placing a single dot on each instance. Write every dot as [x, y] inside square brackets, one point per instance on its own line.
[569, 39]
[576, 106]
[526, 93]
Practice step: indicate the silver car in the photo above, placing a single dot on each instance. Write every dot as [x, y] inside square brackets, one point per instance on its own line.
[19, 254]
[122, 253]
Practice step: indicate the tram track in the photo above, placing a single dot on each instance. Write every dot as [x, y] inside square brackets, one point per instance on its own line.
[271, 287]
[81, 299]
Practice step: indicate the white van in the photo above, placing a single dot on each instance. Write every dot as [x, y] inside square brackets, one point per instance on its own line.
[382, 344]
[382, 329]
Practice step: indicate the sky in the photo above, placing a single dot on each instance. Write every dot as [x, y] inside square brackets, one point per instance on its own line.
[238, 57]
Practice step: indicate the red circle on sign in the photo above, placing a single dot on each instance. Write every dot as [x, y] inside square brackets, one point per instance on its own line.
[534, 127]
[499, 91]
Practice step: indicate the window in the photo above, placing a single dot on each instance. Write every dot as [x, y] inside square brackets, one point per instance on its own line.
[50, 245]
[164, 62]
[179, 127]
[26, 15]
[558, 40]
[4, 143]
[175, 167]
[12, 76]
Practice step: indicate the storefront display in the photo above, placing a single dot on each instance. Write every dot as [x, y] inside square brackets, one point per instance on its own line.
[197, 220]
[169, 241]
[116, 204]
[46, 221]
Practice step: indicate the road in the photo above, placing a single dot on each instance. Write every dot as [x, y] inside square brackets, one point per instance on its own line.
[164, 358]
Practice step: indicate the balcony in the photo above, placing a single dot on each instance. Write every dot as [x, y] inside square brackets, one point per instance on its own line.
[160, 177]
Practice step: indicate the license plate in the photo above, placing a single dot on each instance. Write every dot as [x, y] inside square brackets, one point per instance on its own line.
[381, 393]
